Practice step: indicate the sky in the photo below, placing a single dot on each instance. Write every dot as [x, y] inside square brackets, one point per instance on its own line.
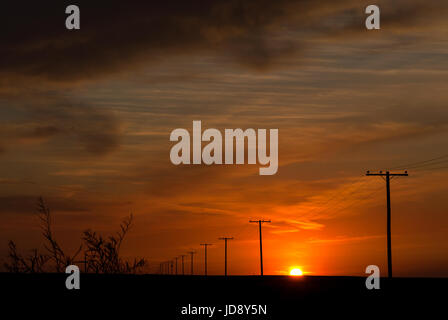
[86, 116]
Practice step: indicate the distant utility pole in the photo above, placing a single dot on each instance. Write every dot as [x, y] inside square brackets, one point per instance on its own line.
[172, 265]
[176, 264]
[225, 253]
[261, 243]
[183, 269]
[387, 174]
[85, 262]
[192, 253]
[205, 255]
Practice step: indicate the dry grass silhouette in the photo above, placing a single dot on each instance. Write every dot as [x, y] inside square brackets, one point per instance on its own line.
[101, 254]
[30, 264]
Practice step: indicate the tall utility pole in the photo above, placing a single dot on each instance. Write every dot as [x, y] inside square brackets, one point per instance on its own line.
[388, 175]
[225, 253]
[261, 243]
[205, 255]
[192, 253]
[176, 264]
[183, 269]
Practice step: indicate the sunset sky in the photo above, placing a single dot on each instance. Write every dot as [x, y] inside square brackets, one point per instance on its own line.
[86, 116]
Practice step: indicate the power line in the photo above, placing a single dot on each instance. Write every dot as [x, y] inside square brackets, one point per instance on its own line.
[429, 164]
[338, 197]
[433, 168]
[355, 201]
[341, 200]
[408, 165]
[424, 165]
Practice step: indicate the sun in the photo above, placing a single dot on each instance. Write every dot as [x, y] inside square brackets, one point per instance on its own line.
[295, 272]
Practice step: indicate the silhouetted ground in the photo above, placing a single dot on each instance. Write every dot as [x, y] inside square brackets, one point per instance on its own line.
[162, 297]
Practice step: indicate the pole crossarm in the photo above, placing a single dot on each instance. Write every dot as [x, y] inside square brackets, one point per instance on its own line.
[380, 173]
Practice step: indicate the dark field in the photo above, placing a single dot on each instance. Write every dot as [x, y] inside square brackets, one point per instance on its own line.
[162, 297]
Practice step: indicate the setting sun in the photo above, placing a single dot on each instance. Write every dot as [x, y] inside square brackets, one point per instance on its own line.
[295, 272]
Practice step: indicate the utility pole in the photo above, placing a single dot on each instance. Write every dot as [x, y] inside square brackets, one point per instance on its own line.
[225, 253]
[176, 264]
[205, 255]
[171, 265]
[183, 269]
[388, 175]
[192, 253]
[261, 243]
[85, 262]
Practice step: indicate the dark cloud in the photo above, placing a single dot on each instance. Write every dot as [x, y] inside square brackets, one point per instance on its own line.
[96, 129]
[25, 204]
[15, 181]
[28, 204]
[42, 132]
[117, 35]
[46, 115]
